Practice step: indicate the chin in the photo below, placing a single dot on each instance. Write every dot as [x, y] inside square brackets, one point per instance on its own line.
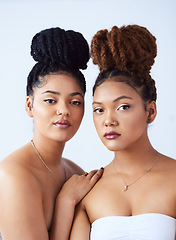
[114, 147]
[65, 135]
[61, 138]
[111, 147]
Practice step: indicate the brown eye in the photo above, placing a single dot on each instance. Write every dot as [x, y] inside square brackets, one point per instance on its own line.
[76, 103]
[123, 107]
[50, 101]
[98, 110]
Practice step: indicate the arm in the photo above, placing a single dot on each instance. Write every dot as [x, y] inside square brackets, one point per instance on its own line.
[81, 225]
[21, 207]
[71, 194]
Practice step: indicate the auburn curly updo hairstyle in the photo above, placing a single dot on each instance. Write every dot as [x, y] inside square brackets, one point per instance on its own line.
[58, 51]
[127, 52]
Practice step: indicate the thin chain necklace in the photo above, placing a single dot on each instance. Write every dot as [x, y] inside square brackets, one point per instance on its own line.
[44, 163]
[128, 185]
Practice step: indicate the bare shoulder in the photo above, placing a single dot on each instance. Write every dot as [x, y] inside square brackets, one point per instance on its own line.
[18, 184]
[168, 162]
[167, 167]
[16, 157]
[21, 197]
[16, 170]
[17, 176]
[72, 168]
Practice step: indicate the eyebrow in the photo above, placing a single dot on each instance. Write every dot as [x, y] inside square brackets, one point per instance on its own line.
[50, 91]
[58, 93]
[115, 100]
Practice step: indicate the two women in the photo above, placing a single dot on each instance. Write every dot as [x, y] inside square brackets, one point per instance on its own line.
[136, 196]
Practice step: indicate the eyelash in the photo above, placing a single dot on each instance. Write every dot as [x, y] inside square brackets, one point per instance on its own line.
[76, 103]
[51, 101]
[126, 106]
[100, 110]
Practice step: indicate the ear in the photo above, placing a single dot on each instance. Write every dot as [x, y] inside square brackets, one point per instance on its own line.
[29, 106]
[152, 111]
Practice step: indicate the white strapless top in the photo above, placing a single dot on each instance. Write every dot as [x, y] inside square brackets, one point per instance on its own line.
[149, 226]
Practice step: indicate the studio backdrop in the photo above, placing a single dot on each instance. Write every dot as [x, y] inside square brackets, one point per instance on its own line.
[21, 20]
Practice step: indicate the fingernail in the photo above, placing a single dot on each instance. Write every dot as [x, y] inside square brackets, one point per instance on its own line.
[102, 167]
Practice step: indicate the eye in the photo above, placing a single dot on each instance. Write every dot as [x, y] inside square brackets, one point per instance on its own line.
[76, 103]
[98, 110]
[123, 107]
[50, 101]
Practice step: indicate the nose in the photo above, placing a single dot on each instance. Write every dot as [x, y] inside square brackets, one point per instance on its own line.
[110, 121]
[63, 110]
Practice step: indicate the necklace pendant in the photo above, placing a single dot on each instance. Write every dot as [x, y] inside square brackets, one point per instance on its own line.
[125, 189]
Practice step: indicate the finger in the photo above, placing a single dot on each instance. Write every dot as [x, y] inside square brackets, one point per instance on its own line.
[85, 174]
[97, 175]
[91, 174]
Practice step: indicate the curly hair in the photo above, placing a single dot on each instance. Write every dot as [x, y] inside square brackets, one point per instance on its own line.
[58, 51]
[128, 51]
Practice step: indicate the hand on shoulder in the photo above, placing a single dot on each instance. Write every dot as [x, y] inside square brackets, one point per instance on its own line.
[78, 185]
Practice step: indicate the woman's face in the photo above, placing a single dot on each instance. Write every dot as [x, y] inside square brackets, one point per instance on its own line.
[57, 107]
[119, 115]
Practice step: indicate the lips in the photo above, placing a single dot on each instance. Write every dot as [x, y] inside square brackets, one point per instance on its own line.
[62, 124]
[111, 135]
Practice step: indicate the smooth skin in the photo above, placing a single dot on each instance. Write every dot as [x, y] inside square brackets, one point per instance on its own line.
[118, 107]
[31, 203]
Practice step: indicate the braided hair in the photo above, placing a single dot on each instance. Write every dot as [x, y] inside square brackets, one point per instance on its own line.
[58, 51]
[127, 52]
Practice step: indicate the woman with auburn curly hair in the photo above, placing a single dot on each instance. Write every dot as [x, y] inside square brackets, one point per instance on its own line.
[136, 197]
[34, 204]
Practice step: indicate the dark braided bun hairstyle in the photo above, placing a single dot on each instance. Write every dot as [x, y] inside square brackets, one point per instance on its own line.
[58, 51]
[128, 52]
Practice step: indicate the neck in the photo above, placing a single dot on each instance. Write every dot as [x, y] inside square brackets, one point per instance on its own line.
[50, 150]
[135, 159]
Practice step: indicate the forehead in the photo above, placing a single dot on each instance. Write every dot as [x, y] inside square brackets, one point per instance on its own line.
[61, 83]
[111, 89]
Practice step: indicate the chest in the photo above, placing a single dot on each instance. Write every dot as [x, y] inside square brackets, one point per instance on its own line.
[48, 208]
[108, 199]
[49, 195]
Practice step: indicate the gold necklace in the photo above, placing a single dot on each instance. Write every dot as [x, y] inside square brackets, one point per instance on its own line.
[44, 163]
[128, 185]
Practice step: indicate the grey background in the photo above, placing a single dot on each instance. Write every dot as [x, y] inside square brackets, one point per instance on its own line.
[21, 20]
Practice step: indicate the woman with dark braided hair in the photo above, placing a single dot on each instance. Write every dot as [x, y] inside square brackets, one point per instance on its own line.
[135, 198]
[33, 203]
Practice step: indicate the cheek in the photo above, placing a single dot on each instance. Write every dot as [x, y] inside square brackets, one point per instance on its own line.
[97, 123]
[136, 123]
[41, 110]
[78, 116]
